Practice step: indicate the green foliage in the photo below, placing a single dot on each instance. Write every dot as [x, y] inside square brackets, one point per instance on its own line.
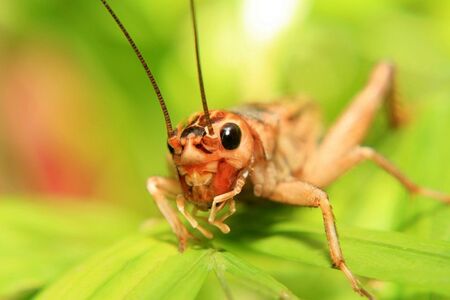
[145, 268]
[383, 255]
[39, 242]
[45, 250]
[399, 245]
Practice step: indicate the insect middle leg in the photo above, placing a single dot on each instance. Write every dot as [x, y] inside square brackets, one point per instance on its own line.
[304, 194]
[359, 154]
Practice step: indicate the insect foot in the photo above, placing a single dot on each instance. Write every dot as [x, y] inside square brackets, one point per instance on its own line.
[360, 290]
[183, 241]
[368, 153]
[356, 285]
[432, 194]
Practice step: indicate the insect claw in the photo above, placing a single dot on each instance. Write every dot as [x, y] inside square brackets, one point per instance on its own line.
[364, 293]
[182, 244]
[205, 232]
[183, 238]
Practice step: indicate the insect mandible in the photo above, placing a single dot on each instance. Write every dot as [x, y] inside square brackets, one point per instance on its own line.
[273, 146]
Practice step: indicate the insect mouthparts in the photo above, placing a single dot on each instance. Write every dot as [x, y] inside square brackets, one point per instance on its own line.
[197, 179]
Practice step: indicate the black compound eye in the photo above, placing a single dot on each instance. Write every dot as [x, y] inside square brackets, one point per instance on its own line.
[196, 130]
[230, 135]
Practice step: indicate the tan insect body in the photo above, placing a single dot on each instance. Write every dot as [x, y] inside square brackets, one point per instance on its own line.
[279, 149]
[280, 154]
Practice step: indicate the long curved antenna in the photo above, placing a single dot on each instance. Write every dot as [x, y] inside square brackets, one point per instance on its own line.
[199, 70]
[170, 131]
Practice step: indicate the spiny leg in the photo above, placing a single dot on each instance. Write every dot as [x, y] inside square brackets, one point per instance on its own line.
[352, 126]
[162, 188]
[191, 219]
[303, 194]
[359, 154]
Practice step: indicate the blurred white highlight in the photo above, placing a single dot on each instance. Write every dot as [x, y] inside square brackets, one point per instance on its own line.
[264, 19]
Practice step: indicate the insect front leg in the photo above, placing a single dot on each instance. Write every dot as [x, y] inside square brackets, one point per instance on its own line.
[161, 189]
[191, 217]
[303, 194]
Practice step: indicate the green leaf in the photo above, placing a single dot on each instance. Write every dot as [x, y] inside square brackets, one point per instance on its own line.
[145, 268]
[39, 241]
[387, 256]
[250, 276]
[142, 267]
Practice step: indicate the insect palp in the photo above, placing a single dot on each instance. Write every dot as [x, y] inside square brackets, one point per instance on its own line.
[144, 64]
[199, 70]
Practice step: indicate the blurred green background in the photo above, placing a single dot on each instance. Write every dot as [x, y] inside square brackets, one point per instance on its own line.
[78, 119]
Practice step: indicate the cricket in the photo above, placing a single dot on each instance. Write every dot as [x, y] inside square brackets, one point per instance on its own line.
[276, 148]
